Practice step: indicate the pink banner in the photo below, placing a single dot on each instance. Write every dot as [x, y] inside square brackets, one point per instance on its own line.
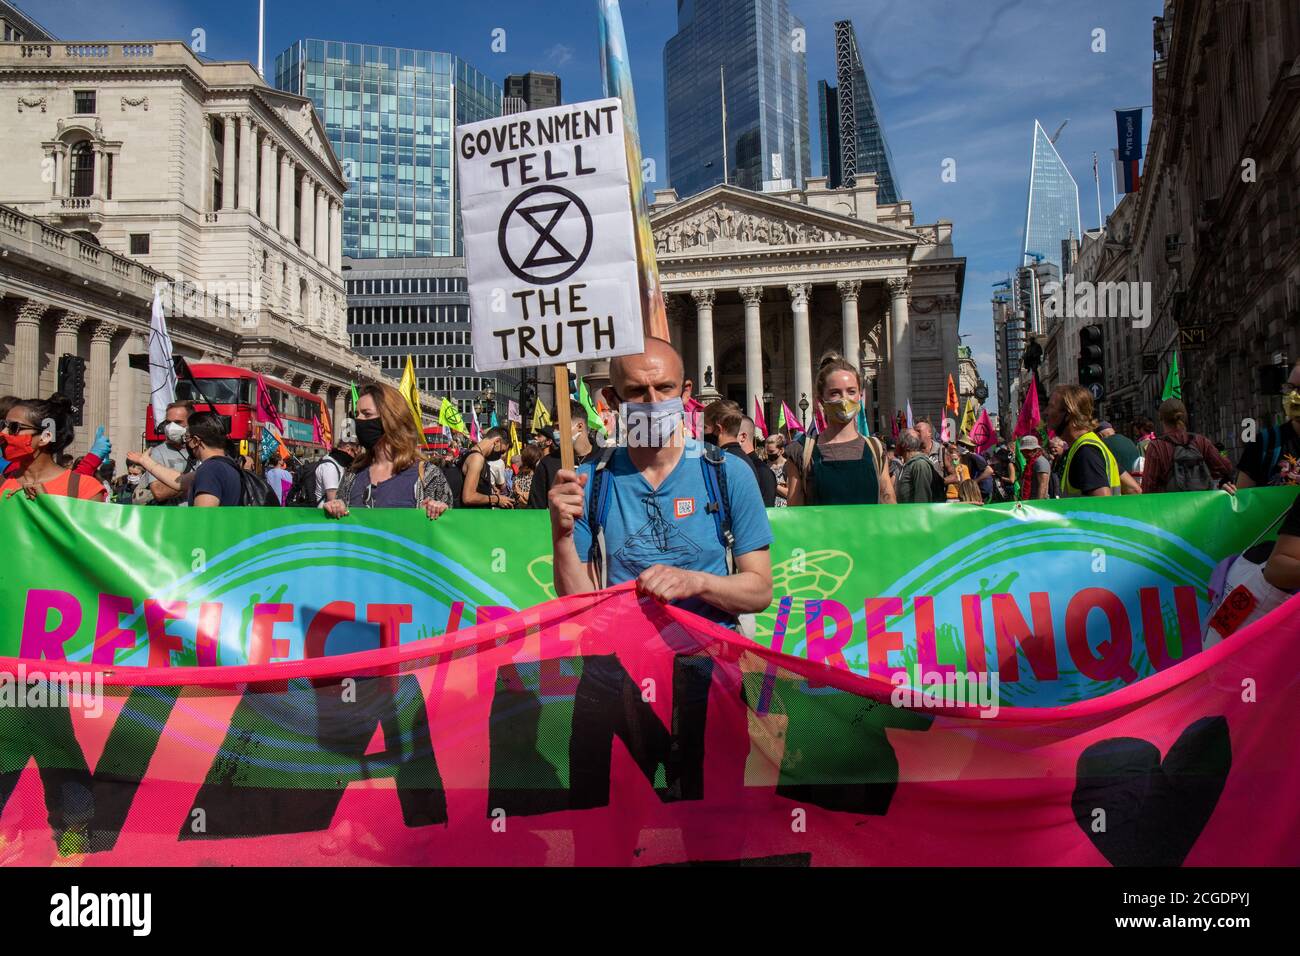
[607, 730]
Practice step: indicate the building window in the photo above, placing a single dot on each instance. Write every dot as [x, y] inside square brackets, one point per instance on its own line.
[83, 101]
[82, 169]
[139, 243]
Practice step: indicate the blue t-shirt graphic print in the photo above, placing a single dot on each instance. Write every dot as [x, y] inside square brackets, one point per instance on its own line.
[671, 524]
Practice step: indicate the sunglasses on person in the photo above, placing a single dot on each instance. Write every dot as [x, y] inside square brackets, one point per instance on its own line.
[13, 427]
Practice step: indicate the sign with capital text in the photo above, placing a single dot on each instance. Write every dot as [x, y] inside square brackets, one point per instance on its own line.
[549, 243]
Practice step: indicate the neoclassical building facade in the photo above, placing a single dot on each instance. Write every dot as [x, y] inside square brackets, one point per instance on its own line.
[760, 287]
[123, 165]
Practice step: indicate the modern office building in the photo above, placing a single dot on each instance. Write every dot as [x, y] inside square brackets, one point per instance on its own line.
[390, 114]
[1009, 349]
[828, 129]
[745, 44]
[537, 90]
[1052, 212]
[852, 139]
[420, 307]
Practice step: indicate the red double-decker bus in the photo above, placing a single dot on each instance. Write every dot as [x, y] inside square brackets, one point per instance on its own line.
[233, 393]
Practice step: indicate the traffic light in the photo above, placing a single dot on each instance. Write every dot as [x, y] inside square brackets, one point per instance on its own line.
[72, 383]
[1092, 359]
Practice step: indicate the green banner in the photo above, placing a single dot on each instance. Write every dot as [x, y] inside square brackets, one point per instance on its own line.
[1065, 600]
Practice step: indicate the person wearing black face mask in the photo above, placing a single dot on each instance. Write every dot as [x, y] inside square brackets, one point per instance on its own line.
[391, 471]
[478, 491]
[546, 470]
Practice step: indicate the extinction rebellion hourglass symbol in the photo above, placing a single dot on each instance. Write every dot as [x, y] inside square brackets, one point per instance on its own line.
[557, 222]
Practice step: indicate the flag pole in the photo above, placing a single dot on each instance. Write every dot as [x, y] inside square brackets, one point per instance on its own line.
[562, 413]
[261, 33]
[722, 76]
[1096, 179]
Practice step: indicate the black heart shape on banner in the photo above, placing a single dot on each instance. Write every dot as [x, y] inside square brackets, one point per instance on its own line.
[1154, 810]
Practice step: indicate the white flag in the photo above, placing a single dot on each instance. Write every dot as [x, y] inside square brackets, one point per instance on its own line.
[513, 413]
[162, 374]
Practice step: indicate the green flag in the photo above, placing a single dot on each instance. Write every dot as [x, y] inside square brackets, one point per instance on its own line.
[593, 419]
[1173, 382]
[356, 398]
[780, 422]
[449, 417]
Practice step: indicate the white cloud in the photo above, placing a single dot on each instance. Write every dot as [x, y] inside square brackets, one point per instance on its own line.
[560, 54]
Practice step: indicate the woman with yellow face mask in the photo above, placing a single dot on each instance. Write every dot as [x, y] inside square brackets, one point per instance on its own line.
[840, 466]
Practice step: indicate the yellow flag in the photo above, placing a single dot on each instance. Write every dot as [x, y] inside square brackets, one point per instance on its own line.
[449, 416]
[411, 392]
[541, 417]
[516, 447]
[968, 417]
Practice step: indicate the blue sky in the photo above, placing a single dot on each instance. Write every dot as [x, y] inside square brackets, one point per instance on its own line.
[959, 79]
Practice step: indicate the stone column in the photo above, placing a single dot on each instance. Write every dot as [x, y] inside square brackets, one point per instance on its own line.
[286, 196]
[27, 349]
[704, 332]
[322, 245]
[900, 338]
[336, 237]
[267, 208]
[307, 216]
[65, 334]
[849, 289]
[247, 149]
[228, 162]
[676, 311]
[97, 376]
[101, 173]
[803, 383]
[60, 170]
[753, 296]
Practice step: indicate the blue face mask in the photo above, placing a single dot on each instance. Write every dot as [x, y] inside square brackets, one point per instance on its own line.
[653, 424]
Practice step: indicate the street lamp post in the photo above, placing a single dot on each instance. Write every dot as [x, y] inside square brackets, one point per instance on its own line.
[803, 410]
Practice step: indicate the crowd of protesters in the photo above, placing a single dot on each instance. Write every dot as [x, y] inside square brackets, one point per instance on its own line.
[602, 536]
[382, 461]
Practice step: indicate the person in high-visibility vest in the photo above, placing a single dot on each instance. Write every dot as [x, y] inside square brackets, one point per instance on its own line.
[1090, 468]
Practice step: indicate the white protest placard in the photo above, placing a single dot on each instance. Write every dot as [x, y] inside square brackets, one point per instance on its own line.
[549, 247]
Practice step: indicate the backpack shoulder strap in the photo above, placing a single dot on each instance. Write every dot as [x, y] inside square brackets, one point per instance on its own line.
[74, 484]
[714, 465]
[598, 499]
[877, 453]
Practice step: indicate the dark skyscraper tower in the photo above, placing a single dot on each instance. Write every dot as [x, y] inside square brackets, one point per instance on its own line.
[852, 139]
[759, 44]
[537, 90]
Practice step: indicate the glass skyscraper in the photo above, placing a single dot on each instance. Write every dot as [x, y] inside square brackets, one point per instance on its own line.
[852, 140]
[1052, 213]
[767, 96]
[390, 114]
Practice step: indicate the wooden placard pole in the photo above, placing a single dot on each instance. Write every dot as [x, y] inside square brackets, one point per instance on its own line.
[565, 419]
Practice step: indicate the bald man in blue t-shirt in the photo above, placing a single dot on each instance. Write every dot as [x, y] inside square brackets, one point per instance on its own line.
[658, 529]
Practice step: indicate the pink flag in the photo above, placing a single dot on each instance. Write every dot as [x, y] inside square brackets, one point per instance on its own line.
[910, 422]
[982, 434]
[819, 417]
[694, 418]
[266, 410]
[1183, 766]
[791, 419]
[317, 436]
[474, 433]
[759, 421]
[946, 433]
[1027, 423]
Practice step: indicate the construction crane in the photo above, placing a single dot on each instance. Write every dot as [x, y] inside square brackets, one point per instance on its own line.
[1057, 135]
